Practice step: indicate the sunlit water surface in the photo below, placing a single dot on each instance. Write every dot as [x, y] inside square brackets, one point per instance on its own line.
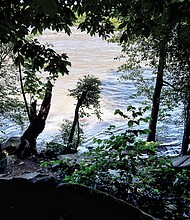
[92, 55]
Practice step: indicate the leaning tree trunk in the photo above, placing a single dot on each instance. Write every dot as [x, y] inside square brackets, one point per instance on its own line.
[37, 122]
[76, 123]
[157, 94]
[186, 134]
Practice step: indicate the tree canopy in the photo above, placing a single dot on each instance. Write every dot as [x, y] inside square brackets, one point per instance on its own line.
[23, 18]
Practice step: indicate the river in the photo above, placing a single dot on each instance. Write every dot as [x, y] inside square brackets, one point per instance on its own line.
[92, 55]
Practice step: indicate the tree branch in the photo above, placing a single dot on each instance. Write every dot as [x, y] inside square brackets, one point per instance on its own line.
[45, 106]
[172, 86]
[22, 90]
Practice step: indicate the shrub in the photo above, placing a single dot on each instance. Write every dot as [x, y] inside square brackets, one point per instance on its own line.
[129, 168]
[133, 172]
[59, 143]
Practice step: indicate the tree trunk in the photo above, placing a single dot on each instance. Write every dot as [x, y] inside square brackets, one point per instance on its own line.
[78, 135]
[37, 122]
[76, 122]
[186, 134]
[157, 94]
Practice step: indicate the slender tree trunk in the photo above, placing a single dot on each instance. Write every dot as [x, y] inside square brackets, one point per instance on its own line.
[157, 94]
[78, 135]
[186, 134]
[37, 122]
[76, 122]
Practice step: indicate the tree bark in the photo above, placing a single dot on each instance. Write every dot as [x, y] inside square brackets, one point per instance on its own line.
[37, 122]
[186, 134]
[157, 94]
[76, 122]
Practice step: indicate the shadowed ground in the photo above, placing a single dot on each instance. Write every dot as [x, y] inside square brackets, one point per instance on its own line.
[24, 200]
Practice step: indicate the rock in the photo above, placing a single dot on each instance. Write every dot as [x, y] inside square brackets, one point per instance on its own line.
[186, 163]
[66, 156]
[14, 146]
[6, 164]
[182, 162]
[11, 144]
[55, 167]
[86, 203]
[35, 177]
[3, 165]
[21, 199]
[29, 176]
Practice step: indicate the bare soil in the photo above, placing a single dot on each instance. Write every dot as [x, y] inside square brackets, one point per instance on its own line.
[17, 167]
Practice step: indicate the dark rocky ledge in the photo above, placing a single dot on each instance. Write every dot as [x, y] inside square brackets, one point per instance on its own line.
[182, 162]
[45, 200]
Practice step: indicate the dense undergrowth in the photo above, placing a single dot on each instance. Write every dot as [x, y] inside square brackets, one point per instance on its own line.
[133, 173]
[129, 168]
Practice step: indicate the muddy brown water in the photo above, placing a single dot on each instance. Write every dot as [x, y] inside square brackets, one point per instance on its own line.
[92, 55]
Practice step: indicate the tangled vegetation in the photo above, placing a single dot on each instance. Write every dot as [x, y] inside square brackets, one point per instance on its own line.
[129, 168]
[123, 164]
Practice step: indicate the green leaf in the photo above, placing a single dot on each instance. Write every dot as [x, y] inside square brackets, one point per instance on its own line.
[118, 111]
[156, 191]
[130, 107]
[122, 25]
[48, 7]
[130, 124]
[146, 131]
[99, 141]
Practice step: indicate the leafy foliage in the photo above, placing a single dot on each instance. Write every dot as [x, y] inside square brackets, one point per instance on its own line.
[89, 85]
[11, 106]
[96, 16]
[139, 55]
[151, 34]
[59, 143]
[19, 18]
[87, 93]
[53, 149]
[38, 60]
[130, 168]
[150, 24]
[129, 173]
[179, 66]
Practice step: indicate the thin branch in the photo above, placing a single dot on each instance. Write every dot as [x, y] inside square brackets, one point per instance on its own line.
[22, 90]
[172, 86]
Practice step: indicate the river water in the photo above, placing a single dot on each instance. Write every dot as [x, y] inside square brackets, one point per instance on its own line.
[92, 55]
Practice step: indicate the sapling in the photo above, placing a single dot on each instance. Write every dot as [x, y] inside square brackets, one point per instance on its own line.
[87, 93]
